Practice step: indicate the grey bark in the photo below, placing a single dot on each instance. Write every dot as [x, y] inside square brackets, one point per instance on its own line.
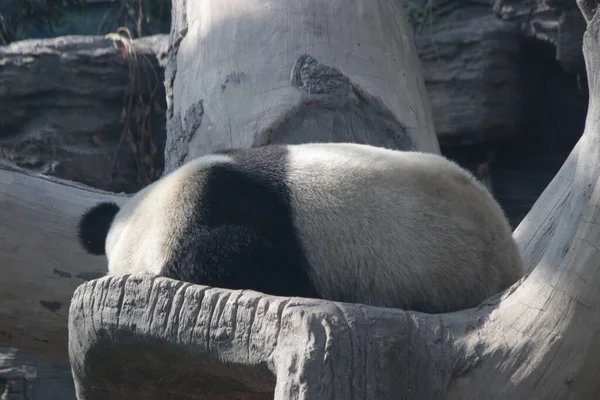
[64, 103]
[240, 75]
[42, 262]
[538, 340]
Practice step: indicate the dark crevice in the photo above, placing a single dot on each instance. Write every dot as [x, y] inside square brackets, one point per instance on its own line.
[552, 111]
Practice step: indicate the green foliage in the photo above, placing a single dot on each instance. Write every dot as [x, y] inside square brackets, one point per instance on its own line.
[418, 12]
[36, 13]
[139, 16]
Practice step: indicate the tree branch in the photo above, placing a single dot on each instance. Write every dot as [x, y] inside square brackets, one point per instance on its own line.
[42, 263]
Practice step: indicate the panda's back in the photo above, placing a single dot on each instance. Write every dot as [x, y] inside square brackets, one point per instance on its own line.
[390, 227]
[345, 222]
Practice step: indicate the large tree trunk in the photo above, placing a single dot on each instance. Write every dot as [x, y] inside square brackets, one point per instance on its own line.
[246, 73]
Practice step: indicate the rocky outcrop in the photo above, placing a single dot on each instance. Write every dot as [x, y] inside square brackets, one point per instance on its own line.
[483, 75]
[558, 22]
[505, 79]
[468, 58]
[85, 108]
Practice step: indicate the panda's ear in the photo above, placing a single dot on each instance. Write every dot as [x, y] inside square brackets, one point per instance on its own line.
[94, 226]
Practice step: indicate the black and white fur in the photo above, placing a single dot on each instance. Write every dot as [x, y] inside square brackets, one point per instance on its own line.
[338, 221]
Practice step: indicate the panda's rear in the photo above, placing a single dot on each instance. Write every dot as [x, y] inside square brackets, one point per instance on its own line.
[338, 221]
[409, 230]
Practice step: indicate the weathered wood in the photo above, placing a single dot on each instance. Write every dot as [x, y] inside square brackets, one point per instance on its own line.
[538, 340]
[160, 338]
[41, 261]
[243, 74]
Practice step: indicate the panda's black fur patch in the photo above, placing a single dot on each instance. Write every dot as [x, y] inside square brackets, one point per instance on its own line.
[94, 226]
[241, 234]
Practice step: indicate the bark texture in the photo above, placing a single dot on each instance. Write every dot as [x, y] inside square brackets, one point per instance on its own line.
[538, 340]
[243, 74]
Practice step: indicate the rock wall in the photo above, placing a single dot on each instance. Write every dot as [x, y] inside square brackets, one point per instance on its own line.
[85, 108]
[472, 56]
[558, 22]
[507, 85]
[469, 64]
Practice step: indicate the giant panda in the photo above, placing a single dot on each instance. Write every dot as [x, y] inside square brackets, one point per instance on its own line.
[338, 221]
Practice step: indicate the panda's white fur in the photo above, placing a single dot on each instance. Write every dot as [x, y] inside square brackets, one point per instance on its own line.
[376, 226]
[134, 246]
[414, 221]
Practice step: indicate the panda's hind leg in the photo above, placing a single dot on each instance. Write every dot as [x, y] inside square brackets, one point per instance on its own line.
[238, 257]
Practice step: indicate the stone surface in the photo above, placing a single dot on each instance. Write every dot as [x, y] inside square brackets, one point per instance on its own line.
[469, 65]
[481, 71]
[64, 105]
[558, 22]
